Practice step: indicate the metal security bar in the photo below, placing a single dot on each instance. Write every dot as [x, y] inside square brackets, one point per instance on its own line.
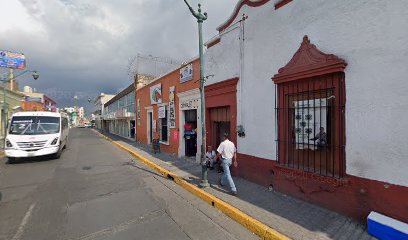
[310, 125]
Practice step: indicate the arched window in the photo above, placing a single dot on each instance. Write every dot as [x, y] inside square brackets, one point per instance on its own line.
[310, 105]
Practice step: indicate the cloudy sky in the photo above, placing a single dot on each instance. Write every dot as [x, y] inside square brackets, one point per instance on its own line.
[82, 47]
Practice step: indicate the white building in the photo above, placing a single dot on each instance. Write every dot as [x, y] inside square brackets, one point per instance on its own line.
[100, 109]
[120, 113]
[318, 53]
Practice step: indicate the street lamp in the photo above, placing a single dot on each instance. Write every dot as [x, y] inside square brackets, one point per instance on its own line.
[75, 100]
[4, 79]
[201, 17]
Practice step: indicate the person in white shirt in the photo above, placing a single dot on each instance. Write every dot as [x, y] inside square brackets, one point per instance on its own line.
[211, 157]
[227, 152]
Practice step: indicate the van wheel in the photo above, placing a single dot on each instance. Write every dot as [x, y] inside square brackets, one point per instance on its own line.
[57, 155]
[66, 143]
[12, 160]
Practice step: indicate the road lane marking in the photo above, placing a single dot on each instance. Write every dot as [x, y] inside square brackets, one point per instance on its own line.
[27, 216]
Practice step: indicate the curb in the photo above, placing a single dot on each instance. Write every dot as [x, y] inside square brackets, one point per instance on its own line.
[253, 225]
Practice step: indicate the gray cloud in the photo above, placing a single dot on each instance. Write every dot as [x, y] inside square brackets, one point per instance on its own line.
[83, 46]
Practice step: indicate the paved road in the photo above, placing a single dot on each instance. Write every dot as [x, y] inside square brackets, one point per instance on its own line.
[96, 191]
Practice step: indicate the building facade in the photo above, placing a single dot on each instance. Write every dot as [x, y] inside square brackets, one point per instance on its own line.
[13, 105]
[168, 109]
[38, 102]
[119, 113]
[100, 109]
[283, 71]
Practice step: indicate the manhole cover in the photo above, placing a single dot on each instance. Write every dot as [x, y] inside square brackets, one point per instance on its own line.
[86, 168]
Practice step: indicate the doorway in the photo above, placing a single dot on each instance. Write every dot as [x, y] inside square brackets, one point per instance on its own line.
[190, 132]
[132, 129]
[220, 124]
[149, 126]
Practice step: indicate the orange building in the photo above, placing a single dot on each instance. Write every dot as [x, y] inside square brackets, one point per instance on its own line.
[32, 106]
[38, 102]
[168, 109]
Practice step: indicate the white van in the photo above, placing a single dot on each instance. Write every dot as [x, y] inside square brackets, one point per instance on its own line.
[32, 134]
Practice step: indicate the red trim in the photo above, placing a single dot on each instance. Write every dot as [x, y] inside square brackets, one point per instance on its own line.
[236, 11]
[282, 3]
[308, 61]
[216, 41]
[222, 94]
[351, 196]
[224, 87]
[304, 72]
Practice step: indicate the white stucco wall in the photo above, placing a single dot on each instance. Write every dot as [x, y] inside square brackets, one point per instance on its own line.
[222, 60]
[369, 34]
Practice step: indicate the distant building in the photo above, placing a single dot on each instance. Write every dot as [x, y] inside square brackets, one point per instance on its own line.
[120, 113]
[100, 109]
[28, 89]
[72, 114]
[37, 101]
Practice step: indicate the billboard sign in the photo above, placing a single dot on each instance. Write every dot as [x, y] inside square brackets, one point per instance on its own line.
[12, 60]
[186, 73]
[156, 94]
[172, 110]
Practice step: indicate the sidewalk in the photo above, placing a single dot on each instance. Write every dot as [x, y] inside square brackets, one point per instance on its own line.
[294, 218]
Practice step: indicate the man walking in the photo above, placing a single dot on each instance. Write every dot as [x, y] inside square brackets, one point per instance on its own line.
[227, 152]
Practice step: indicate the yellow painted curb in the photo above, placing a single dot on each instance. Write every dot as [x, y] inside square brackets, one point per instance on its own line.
[255, 226]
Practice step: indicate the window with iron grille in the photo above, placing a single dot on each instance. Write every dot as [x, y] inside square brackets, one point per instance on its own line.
[310, 116]
[310, 112]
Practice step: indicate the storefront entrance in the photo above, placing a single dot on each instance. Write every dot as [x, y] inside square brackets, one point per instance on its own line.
[149, 126]
[132, 129]
[190, 132]
[189, 124]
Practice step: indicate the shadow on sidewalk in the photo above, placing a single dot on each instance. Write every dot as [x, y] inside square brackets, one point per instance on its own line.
[293, 217]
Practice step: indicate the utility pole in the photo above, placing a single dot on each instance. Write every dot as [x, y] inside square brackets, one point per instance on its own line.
[201, 17]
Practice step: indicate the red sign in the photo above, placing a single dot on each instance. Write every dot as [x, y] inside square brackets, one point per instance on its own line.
[176, 133]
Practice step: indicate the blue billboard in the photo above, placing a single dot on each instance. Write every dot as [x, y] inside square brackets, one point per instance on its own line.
[12, 60]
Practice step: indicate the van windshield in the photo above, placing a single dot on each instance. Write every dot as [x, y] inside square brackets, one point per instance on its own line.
[34, 125]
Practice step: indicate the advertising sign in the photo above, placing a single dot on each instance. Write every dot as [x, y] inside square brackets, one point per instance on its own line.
[310, 115]
[156, 94]
[186, 73]
[12, 60]
[162, 112]
[189, 104]
[172, 110]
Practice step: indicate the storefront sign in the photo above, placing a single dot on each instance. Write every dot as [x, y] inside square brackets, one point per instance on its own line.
[162, 112]
[138, 112]
[172, 110]
[156, 94]
[189, 104]
[310, 115]
[186, 73]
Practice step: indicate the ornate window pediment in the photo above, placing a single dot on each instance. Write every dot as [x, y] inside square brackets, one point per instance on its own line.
[308, 61]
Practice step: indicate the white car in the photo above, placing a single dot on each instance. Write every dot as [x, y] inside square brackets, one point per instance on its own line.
[32, 134]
